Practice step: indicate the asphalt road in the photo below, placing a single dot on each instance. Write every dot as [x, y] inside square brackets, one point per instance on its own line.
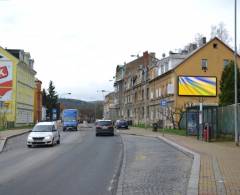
[87, 165]
[82, 164]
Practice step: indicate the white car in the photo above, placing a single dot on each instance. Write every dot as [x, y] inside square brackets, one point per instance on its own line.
[44, 133]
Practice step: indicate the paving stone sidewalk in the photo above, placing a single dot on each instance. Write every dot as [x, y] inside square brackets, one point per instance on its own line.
[219, 165]
[4, 135]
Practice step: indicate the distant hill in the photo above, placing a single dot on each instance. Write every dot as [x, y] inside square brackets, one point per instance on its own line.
[87, 110]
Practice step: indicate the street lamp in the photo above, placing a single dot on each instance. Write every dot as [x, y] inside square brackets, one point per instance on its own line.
[235, 75]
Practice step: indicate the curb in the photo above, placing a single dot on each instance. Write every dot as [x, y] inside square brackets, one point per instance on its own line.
[117, 172]
[121, 171]
[4, 140]
[192, 188]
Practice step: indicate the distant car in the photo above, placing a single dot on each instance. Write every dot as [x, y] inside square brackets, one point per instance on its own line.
[121, 124]
[104, 127]
[44, 133]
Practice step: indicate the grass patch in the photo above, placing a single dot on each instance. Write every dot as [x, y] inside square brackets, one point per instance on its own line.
[225, 138]
[141, 125]
[16, 128]
[181, 132]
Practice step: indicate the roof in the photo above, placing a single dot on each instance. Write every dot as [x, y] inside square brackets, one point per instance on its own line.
[46, 123]
[200, 48]
[191, 54]
[14, 52]
[103, 120]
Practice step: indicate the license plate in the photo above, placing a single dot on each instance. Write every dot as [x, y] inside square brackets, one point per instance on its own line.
[104, 127]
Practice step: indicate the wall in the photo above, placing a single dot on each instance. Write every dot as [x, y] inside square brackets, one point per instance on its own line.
[8, 106]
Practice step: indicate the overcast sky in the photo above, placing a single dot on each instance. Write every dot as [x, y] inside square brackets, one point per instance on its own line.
[78, 43]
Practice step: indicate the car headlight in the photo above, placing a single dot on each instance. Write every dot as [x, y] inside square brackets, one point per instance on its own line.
[48, 137]
[30, 138]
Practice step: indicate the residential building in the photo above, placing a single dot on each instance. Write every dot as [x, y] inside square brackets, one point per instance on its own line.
[109, 109]
[183, 84]
[119, 90]
[136, 92]
[17, 85]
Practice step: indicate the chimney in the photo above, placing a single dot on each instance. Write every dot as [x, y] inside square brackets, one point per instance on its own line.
[204, 40]
[152, 54]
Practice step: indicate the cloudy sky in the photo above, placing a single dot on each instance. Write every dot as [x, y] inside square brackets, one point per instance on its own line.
[78, 43]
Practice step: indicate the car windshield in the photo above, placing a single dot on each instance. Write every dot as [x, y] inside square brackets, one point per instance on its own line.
[42, 128]
[69, 119]
[104, 123]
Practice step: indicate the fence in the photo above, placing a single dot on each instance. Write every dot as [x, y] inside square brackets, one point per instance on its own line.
[226, 119]
[220, 120]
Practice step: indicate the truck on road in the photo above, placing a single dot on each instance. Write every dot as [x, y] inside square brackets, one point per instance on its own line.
[70, 119]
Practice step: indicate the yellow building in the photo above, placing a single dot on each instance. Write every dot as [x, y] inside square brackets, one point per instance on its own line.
[17, 82]
[193, 80]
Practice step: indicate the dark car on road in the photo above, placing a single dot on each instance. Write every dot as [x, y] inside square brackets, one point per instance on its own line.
[121, 124]
[104, 127]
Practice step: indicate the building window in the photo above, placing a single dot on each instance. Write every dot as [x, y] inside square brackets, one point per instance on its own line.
[162, 69]
[166, 67]
[159, 92]
[204, 64]
[135, 96]
[151, 95]
[225, 62]
[215, 45]
[147, 111]
[147, 93]
[156, 96]
[159, 71]
[142, 94]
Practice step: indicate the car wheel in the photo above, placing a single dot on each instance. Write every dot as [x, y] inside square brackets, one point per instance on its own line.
[29, 146]
[53, 142]
[58, 141]
[64, 129]
[97, 134]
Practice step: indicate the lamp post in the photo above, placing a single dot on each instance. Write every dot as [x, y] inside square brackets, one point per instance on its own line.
[235, 75]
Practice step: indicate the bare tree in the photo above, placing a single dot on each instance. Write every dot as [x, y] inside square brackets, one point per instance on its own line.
[198, 39]
[173, 115]
[221, 32]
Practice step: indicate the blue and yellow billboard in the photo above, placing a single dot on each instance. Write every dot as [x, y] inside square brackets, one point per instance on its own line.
[197, 86]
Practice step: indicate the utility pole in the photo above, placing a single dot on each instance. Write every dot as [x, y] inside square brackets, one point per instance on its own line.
[235, 76]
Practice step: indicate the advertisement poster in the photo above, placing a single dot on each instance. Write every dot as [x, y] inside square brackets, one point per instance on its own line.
[5, 80]
[197, 86]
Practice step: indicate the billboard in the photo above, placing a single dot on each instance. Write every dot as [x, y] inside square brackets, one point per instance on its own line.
[197, 86]
[5, 80]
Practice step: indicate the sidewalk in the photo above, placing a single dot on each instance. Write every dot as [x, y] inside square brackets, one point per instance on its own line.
[4, 135]
[219, 164]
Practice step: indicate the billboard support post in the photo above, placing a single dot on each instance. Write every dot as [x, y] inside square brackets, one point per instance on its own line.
[200, 129]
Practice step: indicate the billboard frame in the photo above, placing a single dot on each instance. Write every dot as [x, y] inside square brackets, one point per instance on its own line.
[197, 95]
